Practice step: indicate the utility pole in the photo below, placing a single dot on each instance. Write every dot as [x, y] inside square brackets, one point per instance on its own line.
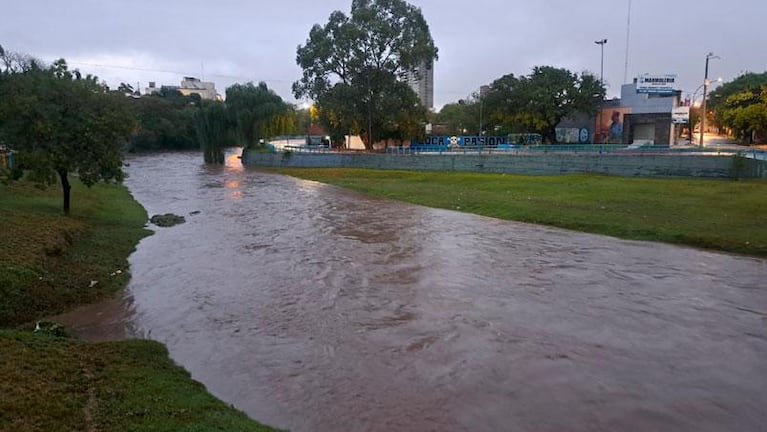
[703, 105]
[628, 39]
[481, 108]
[602, 44]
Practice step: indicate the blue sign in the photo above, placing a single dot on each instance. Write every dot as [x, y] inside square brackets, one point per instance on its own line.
[468, 140]
[583, 136]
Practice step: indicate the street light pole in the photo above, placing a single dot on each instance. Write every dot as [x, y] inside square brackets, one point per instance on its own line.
[703, 104]
[481, 108]
[601, 43]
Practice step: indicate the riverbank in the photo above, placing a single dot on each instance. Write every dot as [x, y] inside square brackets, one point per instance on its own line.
[50, 263]
[721, 215]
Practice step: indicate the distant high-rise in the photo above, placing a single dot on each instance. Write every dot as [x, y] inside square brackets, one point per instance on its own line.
[421, 80]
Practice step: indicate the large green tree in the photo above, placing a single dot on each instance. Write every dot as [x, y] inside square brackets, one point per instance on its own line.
[539, 101]
[353, 68]
[62, 122]
[741, 105]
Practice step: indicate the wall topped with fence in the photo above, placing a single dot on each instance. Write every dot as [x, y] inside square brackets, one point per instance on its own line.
[641, 164]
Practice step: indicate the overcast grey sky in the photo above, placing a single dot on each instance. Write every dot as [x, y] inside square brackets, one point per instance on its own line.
[230, 41]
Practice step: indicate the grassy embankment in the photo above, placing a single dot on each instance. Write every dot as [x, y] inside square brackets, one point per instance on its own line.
[722, 215]
[47, 263]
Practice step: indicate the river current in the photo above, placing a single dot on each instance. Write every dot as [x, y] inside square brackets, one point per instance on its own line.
[313, 308]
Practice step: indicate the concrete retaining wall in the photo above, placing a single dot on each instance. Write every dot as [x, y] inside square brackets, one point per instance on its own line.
[538, 164]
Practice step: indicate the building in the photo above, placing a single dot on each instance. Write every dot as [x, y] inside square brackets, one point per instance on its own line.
[192, 85]
[646, 111]
[189, 86]
[421, 80]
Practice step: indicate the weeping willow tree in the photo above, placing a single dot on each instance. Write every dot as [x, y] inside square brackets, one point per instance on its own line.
[251, 113]
[258, 113]
[212, 128]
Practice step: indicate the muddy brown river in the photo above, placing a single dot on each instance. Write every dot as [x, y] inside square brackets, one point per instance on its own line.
[312, 308]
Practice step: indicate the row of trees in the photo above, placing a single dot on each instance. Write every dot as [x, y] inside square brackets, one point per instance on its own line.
[353, 68]
[532, 103]
[741, 105]
[168, 120]
[61, 122]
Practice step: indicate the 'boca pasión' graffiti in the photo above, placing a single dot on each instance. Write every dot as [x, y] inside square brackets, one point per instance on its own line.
[460, 140]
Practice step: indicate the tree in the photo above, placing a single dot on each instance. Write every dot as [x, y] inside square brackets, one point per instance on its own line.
[211, 126]
[746, 82]
[125, 89]
[460, 116]
[257, 112]
[13, 62]
[746, 113]
[352, 68]
[164, 123]
[741, 105]
[62, 122]
[539, 101]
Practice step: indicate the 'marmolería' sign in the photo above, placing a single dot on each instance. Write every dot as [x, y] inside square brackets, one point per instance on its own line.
[458, 140]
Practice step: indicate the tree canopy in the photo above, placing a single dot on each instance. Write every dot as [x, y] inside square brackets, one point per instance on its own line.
[539, 101]
[62, 122]
[258, 112]
[741, 105]
[353, 68]
[165, 121]
[461, 117]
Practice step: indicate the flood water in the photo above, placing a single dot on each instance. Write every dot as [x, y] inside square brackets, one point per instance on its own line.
[317, 309]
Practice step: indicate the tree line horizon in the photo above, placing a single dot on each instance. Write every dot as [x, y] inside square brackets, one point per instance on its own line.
[63, 122]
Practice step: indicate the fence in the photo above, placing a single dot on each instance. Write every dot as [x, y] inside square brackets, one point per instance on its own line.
[508, 149]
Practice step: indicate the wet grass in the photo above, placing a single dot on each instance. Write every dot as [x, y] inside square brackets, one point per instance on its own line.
[721, 215]
[48, 263]
[60, 384]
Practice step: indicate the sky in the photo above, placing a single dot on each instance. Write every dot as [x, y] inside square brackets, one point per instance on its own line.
[231, 41]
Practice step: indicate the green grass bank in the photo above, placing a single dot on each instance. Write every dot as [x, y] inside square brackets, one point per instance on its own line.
[721, 215]
[48, 263]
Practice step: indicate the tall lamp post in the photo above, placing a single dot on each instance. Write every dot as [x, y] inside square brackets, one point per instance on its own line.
[481, 108]
[602, 44]
[703, 104]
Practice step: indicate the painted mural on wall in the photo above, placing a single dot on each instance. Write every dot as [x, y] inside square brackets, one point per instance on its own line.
[611, 125]
[468, 140]
[573, 135]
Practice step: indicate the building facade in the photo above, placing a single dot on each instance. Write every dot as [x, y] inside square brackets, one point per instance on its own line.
[421, 80]
[647, 115]
[192, 85]
[189, 86]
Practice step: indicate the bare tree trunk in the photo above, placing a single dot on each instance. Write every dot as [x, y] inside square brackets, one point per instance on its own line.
[66, 188]
[366, 141]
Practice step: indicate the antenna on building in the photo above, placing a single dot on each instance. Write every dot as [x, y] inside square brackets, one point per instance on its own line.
[628, 40]
[202, 72]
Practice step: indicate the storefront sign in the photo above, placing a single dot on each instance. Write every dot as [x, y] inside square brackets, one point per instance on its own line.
[680, 114]
[656, 84]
